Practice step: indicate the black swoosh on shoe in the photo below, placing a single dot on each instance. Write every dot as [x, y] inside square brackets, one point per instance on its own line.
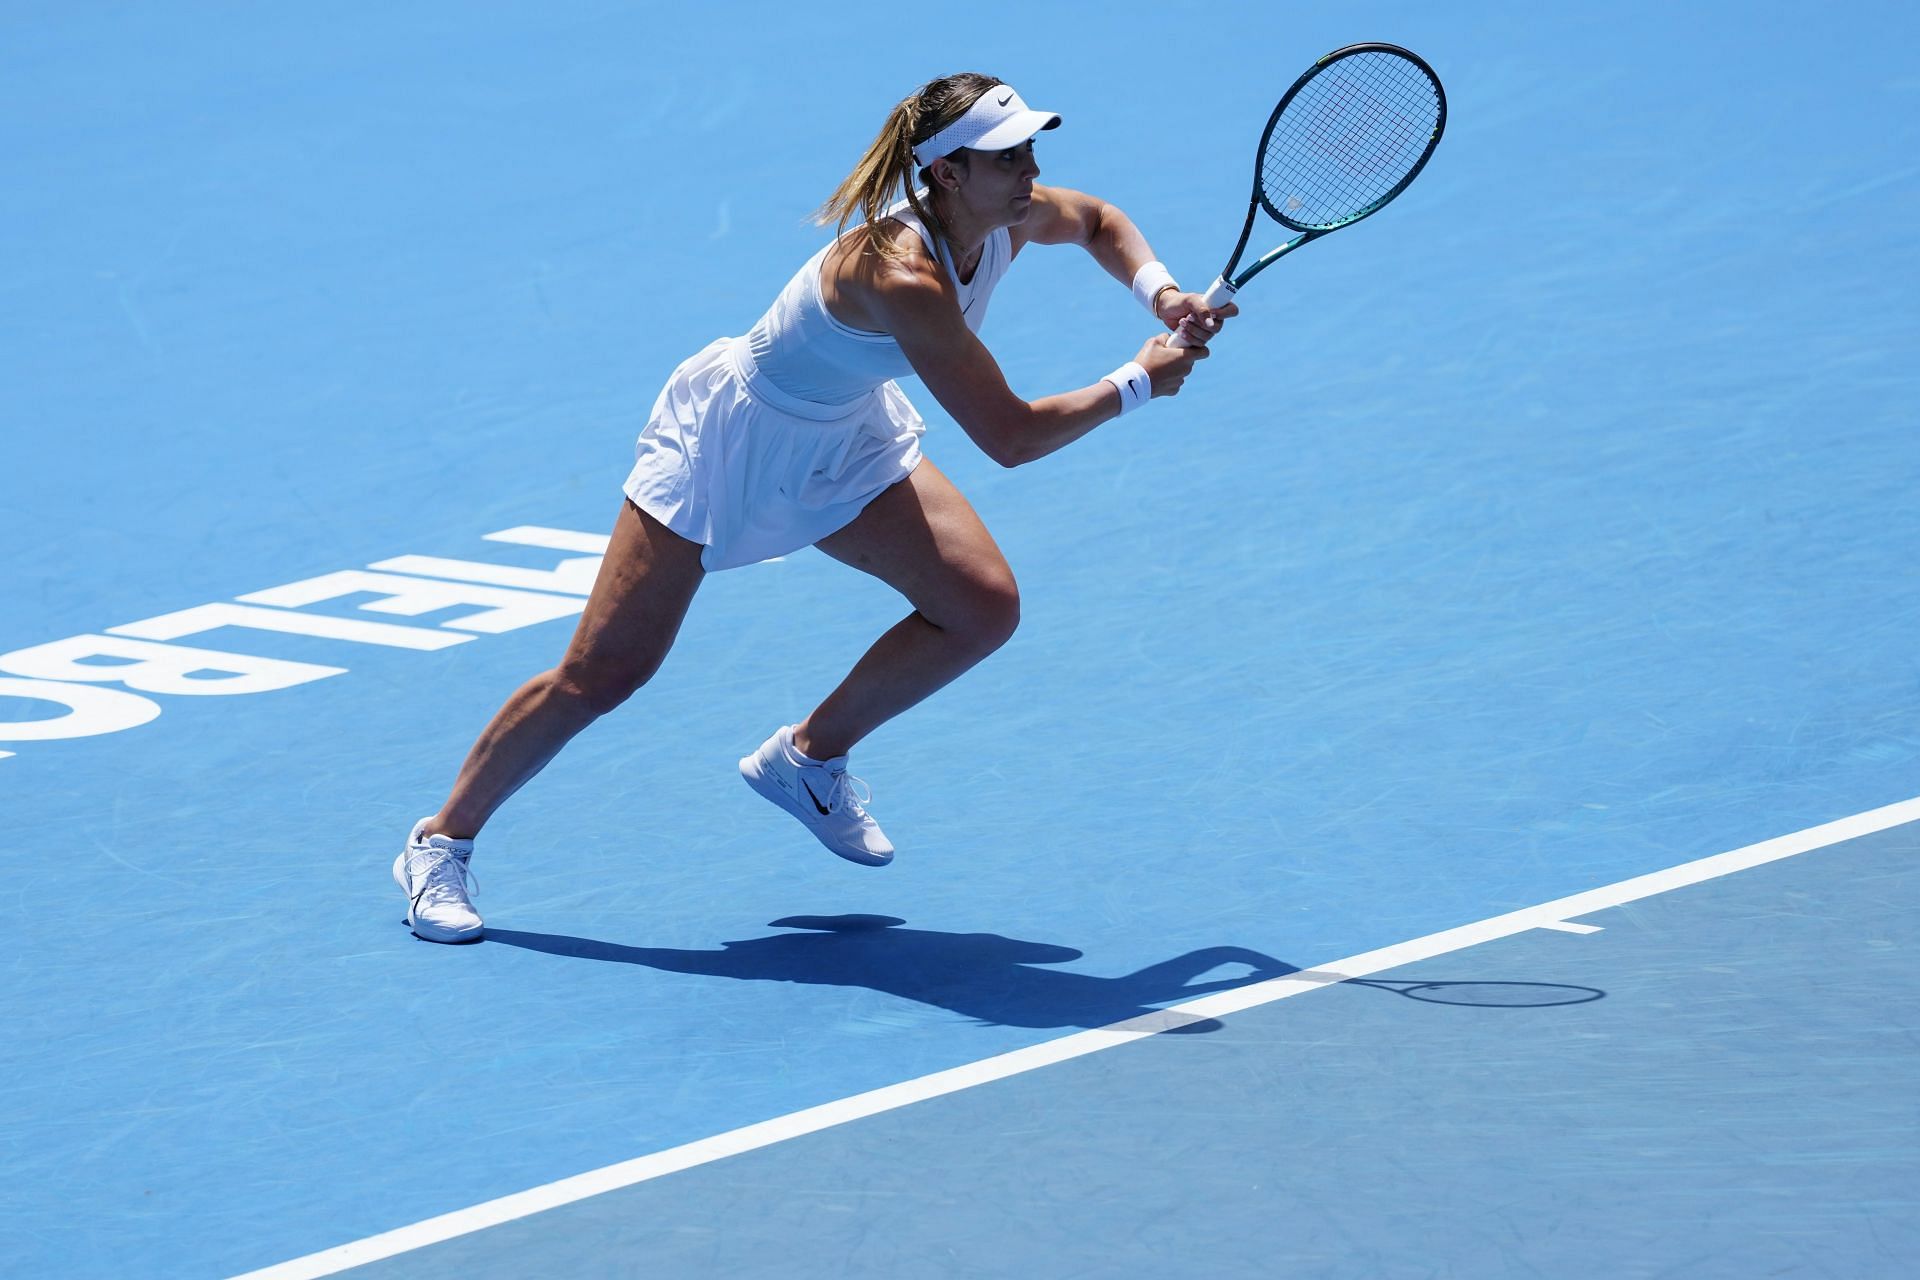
[816, 799]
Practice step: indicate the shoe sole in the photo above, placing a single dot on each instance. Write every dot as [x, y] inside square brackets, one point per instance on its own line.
[757, 778]
[449, 939]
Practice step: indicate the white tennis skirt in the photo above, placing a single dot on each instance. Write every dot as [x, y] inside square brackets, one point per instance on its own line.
[732, 462]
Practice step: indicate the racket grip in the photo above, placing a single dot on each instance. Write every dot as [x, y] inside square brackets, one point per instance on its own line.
[1218, 294]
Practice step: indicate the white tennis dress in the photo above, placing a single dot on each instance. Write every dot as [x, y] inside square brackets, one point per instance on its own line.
[761, 445]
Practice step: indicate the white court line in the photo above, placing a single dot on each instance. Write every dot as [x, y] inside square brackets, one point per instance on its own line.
[523, 1204]
[1568, 926]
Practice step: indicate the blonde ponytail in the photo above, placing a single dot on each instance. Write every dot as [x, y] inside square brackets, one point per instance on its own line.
[887, 170]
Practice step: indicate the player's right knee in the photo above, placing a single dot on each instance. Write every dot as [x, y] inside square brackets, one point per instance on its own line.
[991, 609]
[599, 687]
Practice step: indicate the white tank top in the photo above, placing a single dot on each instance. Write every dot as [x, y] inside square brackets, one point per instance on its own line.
[801, 349]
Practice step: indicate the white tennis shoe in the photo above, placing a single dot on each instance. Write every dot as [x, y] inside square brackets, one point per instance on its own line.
[827, 800]
[432, 871]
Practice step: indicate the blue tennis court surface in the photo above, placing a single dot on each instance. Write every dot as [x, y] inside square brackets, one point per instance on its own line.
[1507, 1120]
[1552, 529]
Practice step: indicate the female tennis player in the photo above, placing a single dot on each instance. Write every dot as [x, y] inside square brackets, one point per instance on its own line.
[796, 434]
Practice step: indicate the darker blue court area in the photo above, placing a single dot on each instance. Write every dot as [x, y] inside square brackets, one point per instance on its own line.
[1714, 1085]
[1554, 527]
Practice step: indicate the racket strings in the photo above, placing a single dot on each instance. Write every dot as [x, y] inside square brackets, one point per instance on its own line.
[1348, 139]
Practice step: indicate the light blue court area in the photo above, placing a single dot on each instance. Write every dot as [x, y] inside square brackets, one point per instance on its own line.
[1551, 529]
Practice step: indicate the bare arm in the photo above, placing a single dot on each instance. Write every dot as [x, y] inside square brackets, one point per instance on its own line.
[1062, 216]
[915, 302]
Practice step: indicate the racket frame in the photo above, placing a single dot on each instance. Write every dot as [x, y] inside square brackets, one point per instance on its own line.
[1230, 283]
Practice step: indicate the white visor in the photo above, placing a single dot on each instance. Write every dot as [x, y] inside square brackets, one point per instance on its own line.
[996, 121]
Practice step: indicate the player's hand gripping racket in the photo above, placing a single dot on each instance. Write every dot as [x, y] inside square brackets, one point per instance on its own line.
[1346, 138]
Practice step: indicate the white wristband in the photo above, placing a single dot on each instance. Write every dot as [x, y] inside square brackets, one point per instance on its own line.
[1148, 281]
[1133, 384]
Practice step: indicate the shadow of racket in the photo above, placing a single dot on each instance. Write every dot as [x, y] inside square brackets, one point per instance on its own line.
[1486, 995]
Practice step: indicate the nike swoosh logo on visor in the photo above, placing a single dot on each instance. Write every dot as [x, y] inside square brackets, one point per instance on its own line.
[1009, 98]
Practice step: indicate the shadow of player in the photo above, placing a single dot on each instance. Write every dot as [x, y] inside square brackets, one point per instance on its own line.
[989, 978]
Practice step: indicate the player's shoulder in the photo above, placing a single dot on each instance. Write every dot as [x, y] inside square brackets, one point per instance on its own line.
[911, 293]
[1058, 215]
[1051, 197]
[909, 269]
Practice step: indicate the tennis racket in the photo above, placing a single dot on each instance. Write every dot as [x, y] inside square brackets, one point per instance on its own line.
[1346, 138]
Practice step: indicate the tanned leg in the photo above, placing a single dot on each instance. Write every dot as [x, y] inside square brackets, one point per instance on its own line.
[924, 539]
[645, 584]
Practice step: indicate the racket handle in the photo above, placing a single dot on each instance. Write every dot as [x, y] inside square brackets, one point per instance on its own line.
[1218, 294]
